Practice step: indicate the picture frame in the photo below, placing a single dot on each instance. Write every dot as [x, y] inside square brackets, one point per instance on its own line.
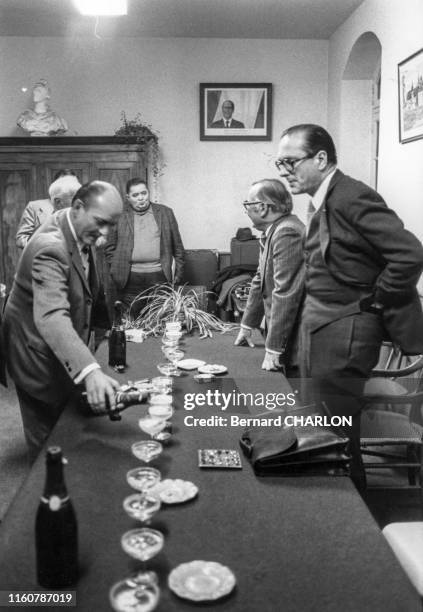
[247, 107]
[410, 97]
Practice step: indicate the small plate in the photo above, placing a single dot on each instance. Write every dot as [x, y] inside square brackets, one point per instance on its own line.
[190, 364]
[212, 368]
[174, 491]
[201, 580]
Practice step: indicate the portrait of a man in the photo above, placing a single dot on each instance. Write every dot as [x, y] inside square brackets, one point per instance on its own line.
[227, 120]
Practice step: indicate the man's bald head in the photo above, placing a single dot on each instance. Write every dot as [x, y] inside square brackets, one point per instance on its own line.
[96, 207]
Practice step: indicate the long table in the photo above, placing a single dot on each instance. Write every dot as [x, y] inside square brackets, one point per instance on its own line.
[294, 544]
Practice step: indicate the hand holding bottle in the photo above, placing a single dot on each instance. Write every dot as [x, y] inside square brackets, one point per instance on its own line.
[100, 386]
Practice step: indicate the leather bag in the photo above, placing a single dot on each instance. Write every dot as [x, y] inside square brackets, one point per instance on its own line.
[295, 451]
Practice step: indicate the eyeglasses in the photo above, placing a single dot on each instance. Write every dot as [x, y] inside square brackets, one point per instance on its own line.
[291, 165]
[246, 203]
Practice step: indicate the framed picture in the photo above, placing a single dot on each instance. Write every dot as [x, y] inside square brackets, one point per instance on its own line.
[235, 111]
[410, 97]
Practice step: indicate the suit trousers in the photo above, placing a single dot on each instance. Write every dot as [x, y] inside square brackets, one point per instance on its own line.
[38, 420]
[341, 357]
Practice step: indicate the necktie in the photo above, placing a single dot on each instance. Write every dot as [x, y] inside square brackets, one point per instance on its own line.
[227, 124]
[262, 241]
[85, 253]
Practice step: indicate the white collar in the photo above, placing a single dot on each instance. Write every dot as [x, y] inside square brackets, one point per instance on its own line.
[320, 195]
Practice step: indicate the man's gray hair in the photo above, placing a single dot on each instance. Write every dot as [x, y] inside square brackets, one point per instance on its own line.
[63, 185]
[275, 195]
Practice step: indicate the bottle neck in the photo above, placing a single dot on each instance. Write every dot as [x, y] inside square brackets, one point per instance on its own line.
[117, 317]
[55, 482]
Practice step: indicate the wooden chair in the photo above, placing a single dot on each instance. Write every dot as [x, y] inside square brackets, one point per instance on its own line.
[391, 422]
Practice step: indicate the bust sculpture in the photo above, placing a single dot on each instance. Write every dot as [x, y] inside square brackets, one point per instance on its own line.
[41, 121]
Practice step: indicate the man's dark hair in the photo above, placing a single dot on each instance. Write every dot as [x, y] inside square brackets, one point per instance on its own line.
[316, 139]
[135, 181]
[90, 190]
[276, 196]
[63, 172]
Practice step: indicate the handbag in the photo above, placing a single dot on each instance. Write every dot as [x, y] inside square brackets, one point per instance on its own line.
[295, 451]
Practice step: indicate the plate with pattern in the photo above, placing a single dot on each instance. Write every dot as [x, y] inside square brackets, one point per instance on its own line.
[201, 580]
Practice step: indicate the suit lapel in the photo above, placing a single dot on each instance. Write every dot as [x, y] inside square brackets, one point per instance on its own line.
[324, 234]
[73, 251]
[264, 256]
[158, 217]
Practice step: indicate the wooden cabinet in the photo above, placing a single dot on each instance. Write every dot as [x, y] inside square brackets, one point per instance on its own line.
[28, 165]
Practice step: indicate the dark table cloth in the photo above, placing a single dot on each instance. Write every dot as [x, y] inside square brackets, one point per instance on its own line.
[294, 544]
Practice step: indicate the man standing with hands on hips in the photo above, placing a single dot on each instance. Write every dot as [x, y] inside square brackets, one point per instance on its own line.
[277, 288]
[53, 305]
[362, 267]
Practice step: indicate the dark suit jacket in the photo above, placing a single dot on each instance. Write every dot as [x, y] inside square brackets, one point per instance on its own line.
[121, 244]
[48, 315]
[365, 244]
[278, 286]
[221, 124]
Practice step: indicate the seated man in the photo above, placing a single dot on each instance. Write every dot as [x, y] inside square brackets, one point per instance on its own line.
[277, 288]
[37, 211]
[50, 311]
[143, 246]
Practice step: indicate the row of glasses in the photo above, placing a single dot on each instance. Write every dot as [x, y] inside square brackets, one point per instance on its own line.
[141, 592]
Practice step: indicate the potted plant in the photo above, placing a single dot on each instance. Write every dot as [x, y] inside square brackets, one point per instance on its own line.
[168, 303]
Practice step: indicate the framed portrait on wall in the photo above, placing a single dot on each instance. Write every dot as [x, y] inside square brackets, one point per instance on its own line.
[410, 97]
[235, 111]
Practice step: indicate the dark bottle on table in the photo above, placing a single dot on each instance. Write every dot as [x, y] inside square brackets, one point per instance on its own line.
[117, 340]
[56, 531]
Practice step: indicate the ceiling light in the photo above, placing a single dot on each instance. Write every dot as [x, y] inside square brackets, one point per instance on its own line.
[102, 7]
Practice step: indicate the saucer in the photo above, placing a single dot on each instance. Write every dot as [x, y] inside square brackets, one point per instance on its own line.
[201, 580]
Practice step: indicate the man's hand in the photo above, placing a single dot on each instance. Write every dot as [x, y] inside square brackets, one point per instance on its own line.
[271, 362]
[99, 386]
[244, 337]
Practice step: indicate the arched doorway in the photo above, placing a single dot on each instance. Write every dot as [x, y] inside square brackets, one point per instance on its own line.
[359, 121]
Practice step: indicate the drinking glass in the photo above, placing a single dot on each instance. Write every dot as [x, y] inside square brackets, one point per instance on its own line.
[137, 593]
[152, 425]
[141, 506]
[143, 478]
[162, 384]
[174, 355]
[142, 544]
[147, 450]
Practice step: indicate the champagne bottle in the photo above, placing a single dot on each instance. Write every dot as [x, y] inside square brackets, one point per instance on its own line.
[117, 340]
[56, 533]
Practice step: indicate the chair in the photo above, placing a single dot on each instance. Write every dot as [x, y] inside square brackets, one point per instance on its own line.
[200, 272]
[406, 540]
[391, 421]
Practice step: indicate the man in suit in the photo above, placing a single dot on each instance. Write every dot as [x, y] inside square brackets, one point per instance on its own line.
[53, 304]
[228, 108]
[143, 246]
[277, 288]
[362, 267]
[37, 211]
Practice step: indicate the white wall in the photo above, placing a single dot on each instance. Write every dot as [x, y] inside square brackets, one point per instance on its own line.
[93, 80]
[398, 26]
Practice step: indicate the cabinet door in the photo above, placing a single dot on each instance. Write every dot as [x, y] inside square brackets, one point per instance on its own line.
[52, 167]
[17, 186]
[118, 173]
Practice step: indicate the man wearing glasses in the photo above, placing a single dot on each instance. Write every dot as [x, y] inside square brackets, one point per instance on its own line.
[362, 267]
[277, 288]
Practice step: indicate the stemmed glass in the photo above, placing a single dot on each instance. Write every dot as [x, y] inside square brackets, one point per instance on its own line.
[140, 593]
[152, 425]
[146, 450]
[142, 506]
